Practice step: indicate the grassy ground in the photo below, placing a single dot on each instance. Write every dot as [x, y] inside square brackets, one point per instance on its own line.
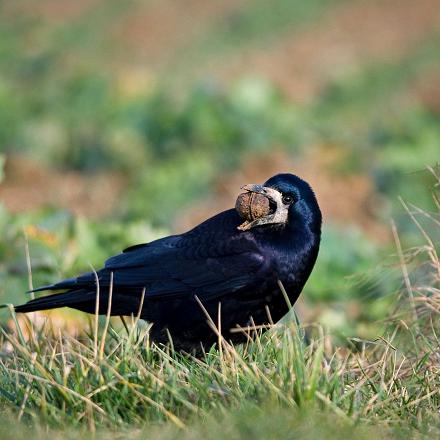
[280, 383]
[120, 123]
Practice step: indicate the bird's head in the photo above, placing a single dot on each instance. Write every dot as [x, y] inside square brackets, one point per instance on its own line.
[291, 202]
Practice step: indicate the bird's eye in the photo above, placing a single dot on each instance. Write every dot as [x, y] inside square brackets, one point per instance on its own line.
[287, 199]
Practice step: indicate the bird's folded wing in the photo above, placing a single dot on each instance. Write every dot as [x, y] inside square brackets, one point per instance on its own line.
[174, 267]
[210, 261]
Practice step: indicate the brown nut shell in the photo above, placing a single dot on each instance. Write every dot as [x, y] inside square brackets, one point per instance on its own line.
[251, 206]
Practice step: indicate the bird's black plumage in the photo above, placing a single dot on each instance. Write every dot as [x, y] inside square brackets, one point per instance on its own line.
[215, 262]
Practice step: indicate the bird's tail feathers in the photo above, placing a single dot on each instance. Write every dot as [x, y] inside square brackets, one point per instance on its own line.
[68, 283]
[84, 300]
[80, 299]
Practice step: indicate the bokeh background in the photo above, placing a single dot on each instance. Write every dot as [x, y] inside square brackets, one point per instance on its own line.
[121, 122]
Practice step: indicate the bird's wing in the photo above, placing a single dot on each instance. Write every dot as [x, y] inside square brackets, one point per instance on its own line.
[210, 261]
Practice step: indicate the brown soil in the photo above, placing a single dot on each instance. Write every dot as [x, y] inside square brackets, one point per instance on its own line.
[426, 89]
[155, 32]
[29, 185]
[148, 35]
[51, 10]
[346, 198]
[350, 35]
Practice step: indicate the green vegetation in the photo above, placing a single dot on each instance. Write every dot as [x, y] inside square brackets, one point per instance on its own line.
[108, 378]
[68, 102]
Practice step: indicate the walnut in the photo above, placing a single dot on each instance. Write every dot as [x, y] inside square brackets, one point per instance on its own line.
[251, 206]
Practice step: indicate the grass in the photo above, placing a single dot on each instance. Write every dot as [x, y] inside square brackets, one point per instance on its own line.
[115, 384]
[124, 381]
[106, 379]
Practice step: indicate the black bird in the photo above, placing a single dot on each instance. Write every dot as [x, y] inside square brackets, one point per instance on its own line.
[213, 263]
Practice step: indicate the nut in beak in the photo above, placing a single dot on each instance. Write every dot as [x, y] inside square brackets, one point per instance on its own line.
[260, 205]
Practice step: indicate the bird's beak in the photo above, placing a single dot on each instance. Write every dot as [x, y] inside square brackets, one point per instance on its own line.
[272, 194]
[277, 216]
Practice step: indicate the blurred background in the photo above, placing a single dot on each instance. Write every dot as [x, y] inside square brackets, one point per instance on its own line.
[121, 122]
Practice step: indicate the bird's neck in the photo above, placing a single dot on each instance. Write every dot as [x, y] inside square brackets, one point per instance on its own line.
[296, 250]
